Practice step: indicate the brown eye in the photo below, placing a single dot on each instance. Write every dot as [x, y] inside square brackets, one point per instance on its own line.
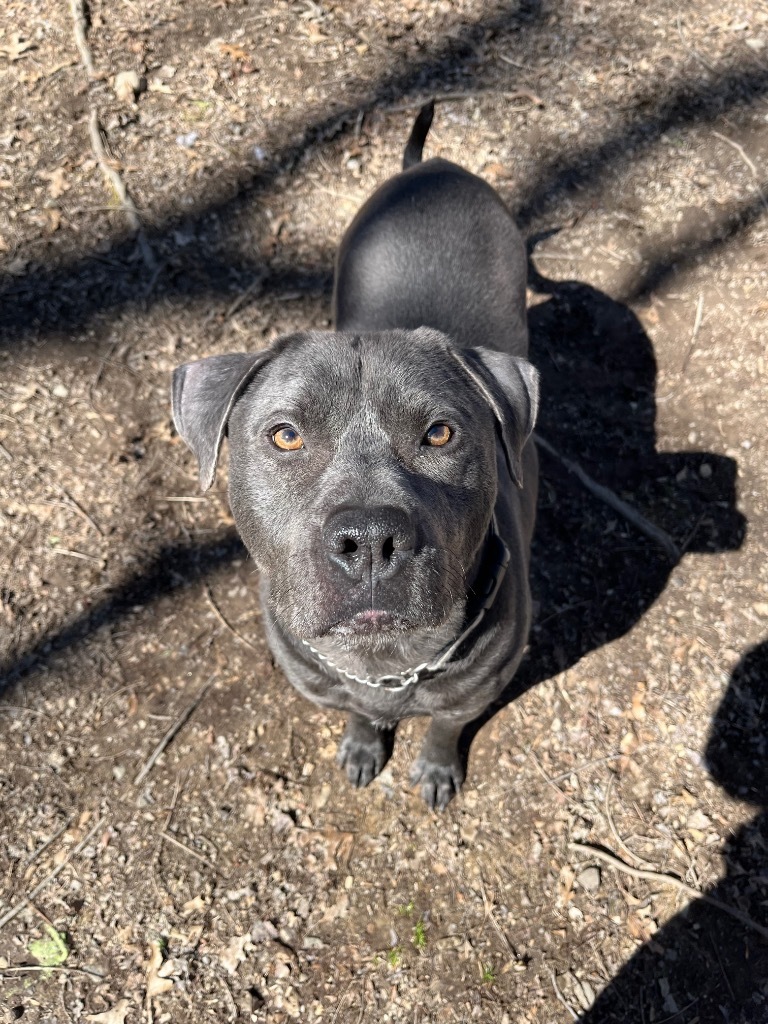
[438, 435]
[288, 439]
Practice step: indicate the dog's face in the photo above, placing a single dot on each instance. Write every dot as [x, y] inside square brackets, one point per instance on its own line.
[362, 470]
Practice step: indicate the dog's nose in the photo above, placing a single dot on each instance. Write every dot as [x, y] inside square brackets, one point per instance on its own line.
[376, 541]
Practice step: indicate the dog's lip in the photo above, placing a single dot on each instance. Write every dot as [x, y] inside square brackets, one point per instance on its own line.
[370, 620]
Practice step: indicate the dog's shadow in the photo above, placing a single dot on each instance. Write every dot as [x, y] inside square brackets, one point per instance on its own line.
[704, 965]
[593, 574]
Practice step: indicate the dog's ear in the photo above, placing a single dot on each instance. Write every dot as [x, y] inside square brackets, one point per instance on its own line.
[510, 386]
[203, 395]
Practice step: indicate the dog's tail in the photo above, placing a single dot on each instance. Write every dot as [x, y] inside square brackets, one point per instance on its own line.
[419, 132]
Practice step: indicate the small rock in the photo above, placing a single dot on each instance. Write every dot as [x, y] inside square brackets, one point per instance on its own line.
[59, 391]
[705, 470]
[187, 141]
[127, 85]
[590, 879]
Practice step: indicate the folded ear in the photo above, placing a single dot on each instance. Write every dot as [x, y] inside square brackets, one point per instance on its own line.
[510, 386]
[203, 395]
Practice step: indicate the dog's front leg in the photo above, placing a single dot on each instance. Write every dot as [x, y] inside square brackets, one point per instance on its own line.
[364, 749]
[439, 767]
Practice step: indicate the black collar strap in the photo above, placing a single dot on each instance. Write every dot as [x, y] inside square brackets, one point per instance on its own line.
[493, 570]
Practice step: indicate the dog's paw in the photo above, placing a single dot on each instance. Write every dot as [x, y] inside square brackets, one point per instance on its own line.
[362, 757]
[439, 782]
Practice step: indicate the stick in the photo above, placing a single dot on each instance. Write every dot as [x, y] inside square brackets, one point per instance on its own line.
[67, 970]
[177, 725]
[583, 767]
[673, 880]
[560, 995]
[114, 179]
[740, 150]
[9, 916]
[79, 508]
[77, 8]
[192, 853]
[606, 495]
[47, 843]
[243, 297]
[223, 621]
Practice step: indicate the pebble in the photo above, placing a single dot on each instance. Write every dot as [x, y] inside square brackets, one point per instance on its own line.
[589, 879]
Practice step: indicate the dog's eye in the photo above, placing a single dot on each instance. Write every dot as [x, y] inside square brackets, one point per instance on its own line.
[288, 439]
[438, 435]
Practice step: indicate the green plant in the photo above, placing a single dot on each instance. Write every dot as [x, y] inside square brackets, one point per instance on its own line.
[50, 952]
[420, 936]
[488, 974]
[395, 957]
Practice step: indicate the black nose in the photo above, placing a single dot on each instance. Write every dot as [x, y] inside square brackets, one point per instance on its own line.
[376, 541]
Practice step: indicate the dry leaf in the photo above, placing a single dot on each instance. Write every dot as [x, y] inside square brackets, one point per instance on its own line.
[565, 885]
[233, 51]
[57, 182]
[234, 952]
[116, 1015]
[156, 985]
[16, 47]
[193, 906]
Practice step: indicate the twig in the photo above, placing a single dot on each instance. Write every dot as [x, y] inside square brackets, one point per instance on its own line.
[6, 454]
[695, 332]
[740, 150]
[612, 825]
[67, 970]
[583, 767]
[656, 534]
[174, 729]
[75, 554]
[673, 880]
[217, 612]
[184, 497]
[243, 297]
[79, 508]
[44, 846]
[77, 7]
[492, 918]
[114, 179]
[9, 916]
[560, 995]
[192, 853]
[543, 774]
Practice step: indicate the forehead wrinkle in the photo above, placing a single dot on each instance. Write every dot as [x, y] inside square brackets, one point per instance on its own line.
[407, 388]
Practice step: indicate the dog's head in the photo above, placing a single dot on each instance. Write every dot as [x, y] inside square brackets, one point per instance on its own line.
[363, 469]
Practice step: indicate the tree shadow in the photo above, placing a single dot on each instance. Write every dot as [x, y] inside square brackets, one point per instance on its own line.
[170, 569]
[54, 302]
[704, 966]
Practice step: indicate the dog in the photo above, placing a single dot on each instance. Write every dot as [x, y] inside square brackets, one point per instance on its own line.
[382, 475]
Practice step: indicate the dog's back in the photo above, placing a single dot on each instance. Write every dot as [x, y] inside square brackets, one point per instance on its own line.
[434, 246]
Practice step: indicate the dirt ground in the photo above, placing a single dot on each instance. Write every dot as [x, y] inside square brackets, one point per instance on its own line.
[236, 876]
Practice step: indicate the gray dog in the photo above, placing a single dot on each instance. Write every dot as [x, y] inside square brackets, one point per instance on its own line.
[382, 474]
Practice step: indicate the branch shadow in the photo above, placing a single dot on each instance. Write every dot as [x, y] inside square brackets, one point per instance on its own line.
[704, 965]
[55, 302]
[59, 301]
[172, 568]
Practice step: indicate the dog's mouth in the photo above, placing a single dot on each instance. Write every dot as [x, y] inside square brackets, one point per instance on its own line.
[370, 622]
